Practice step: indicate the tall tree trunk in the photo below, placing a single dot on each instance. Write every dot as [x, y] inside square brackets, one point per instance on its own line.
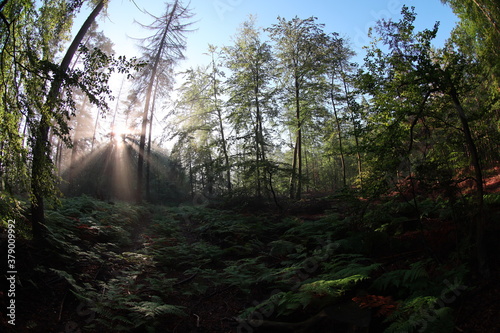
[339, 135]
[116, 109]
[224, 150]
[257, 163]
[307, 167]
[59, 157]
[296, 178]
[76, 144]
[293, 177]
[95, 131]
[221, 126]
[41, 149]
[259, 152]
[299, 140]
[142, 141]
[148, 152]
[356, 137]
[476, 165]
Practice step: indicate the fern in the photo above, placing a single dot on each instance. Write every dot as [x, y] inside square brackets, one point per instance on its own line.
[492, 200]
[314, 295]
[156, 308]
[314, 233]
[345, 265]
[421, 314]
[332, 288]
[411, 280]
[247, 272]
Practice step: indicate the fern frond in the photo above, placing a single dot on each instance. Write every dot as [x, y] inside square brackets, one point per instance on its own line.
[155, 309]
[414, 278]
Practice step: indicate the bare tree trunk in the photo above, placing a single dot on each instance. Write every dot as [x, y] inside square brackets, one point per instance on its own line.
[257, 142]
[116, 108]
[296, 178]
[293, 177]
[148, 153]
[299, 145]
[95, 130]
[142, 141]
[339, 135]
[221, 127]
[356, 137]
[76, 143]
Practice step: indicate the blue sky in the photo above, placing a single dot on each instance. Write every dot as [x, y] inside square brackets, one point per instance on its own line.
[218, 20]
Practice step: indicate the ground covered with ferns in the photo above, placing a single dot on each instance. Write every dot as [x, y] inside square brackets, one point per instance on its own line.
[333, 263]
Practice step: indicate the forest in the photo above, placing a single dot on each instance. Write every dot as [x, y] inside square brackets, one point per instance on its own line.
[280, 187]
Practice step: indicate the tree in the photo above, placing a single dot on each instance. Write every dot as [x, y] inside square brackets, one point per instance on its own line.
[82, 121]
[404, 81]
[478, 31]
[299, 45]
[216, 105]
[17, 21]
[41, 164]
[33, 36]
[38, 92]
[200, 123]
[250, 96]
[193, 126]
[338, 72]
[166, 45]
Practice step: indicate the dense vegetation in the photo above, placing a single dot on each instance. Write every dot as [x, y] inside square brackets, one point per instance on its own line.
[302, 192]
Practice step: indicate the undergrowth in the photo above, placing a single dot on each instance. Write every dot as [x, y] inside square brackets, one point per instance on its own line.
[145, 268]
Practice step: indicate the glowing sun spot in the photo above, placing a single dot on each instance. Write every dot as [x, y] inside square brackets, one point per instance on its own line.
[120, 130]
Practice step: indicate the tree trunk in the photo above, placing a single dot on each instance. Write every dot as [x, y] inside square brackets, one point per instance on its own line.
[41, 150]
[476, 165]
[148, 153]
[356, 137]
[59, 157]
[299, 141]
[293, 177]
[142, 141]
[339, 135]
[221, 127]
[296, 178]
[259, 145]
[116, 109]
[76, 143]
[95, 131]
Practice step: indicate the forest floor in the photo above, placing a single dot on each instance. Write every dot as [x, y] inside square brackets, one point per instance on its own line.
[332, 263]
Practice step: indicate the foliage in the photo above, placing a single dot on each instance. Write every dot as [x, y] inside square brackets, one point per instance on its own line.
[420, 315]
[478, 31]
